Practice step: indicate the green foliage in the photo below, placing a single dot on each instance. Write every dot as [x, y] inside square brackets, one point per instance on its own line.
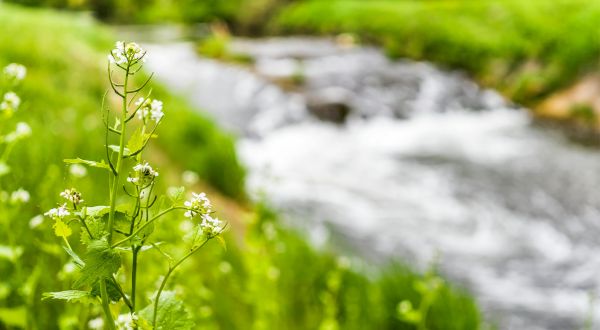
[171, 313]
[100, 262]
[516, 46]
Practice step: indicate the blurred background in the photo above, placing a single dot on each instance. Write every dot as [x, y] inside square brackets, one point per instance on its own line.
[393, 164]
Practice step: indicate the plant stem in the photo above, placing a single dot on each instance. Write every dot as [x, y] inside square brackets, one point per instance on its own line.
[164, 281]
[134, 277]
[115, 185]
[110, 323]
[140, 228]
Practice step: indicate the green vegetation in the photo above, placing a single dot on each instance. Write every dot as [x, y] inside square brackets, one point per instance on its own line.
[515, 46]
[268, 277]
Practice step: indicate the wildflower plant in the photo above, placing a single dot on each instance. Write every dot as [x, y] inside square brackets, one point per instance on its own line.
[125, 224]
[11, 202]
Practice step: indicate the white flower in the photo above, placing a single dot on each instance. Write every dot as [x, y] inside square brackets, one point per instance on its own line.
[36, 221]
[72, 195]
[198, 204]
[126, 53]
[59, 212]
[150, 108]
[143, 174]
[127, 321]
[10, 102]
[19, 196]
[190, 177]
[96, 324]
[211, 226]
[22, 131]
[15, 71]
[78, 170]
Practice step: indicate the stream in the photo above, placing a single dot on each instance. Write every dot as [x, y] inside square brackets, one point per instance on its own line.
[404, 160]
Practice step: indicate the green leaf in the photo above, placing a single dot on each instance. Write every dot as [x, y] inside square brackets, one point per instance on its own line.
[111, 290]
[171, 315]
[96, 227]
[61, 229]
[15, 317]
[136, 141]
[100, 164]
[94, 211]
[115, 148]
[68, 295]
[100, 263]
[75, 257]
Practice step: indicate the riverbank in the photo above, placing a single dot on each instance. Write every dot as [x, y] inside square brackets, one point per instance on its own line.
[512, 46]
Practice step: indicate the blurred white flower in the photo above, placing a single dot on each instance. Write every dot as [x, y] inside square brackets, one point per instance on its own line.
[15, 71]
[22, 131]
[78, 170]
[190, 178]
[96, 324]
[36, 221]
[19, 196]
[10, 102]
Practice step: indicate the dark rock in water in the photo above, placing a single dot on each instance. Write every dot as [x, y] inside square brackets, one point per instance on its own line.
[330, 104]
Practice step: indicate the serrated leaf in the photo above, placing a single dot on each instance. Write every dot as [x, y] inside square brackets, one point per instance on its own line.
[101, 262]
[68, 295]
[171, 315]
[96, 228]
[61, 229]
[100, 164]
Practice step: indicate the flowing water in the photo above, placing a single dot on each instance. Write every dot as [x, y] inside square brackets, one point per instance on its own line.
[425, 165]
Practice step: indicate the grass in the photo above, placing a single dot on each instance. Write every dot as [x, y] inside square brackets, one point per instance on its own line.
[519, 47]
[268, 277]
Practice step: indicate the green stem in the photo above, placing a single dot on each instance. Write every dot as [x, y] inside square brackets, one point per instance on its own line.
[134, 277]
[147, 223]
[115, 185]
[164, 281]
[108, 318]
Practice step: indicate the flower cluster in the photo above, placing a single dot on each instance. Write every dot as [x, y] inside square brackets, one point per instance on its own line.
[10, 102]
[200, 205]
[72, 195]
[22, 131]
[211, 226]
[15, 71]
[58, 212]
[19, 196]
[126, 53]
[127, 321]
[143, 174]
[149, 108]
